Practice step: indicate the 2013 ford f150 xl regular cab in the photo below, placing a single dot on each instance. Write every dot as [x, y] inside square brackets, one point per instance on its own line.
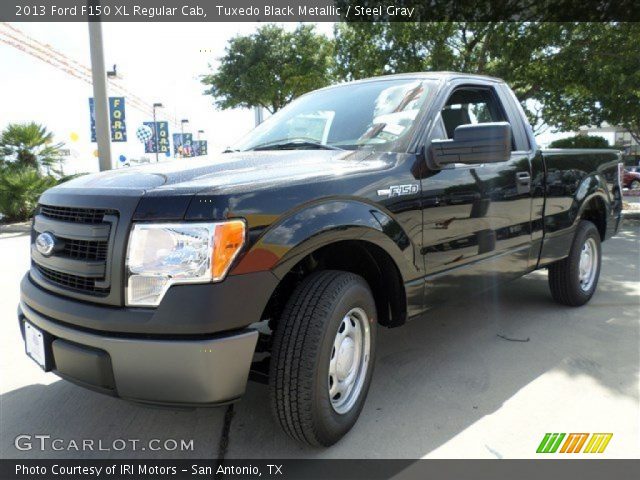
[357, 206]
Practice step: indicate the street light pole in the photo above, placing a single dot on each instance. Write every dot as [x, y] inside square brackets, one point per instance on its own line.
[155, 129]
[199, 152]
[182, 122]
[100, 98]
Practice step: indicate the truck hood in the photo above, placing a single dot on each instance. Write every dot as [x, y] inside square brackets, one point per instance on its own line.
[231, 172]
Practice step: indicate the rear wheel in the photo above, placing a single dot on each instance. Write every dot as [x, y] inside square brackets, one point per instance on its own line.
[573, 280]
[635, 185]
[322, 357]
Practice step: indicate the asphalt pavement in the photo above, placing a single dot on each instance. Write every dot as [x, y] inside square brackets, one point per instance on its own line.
[485, 378]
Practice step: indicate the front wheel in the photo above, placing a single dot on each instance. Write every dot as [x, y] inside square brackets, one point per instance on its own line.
[635, 185]
[322, 357]
[574, 279]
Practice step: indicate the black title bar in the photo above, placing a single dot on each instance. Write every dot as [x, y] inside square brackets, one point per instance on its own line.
[317, 10]
[593, 469]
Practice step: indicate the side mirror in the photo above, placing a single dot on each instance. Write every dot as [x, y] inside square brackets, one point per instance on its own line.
[473, 144]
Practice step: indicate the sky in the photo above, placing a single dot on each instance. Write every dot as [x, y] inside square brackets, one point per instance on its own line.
[159, 62]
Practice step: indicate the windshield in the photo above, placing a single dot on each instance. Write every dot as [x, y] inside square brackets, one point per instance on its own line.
[377, 115]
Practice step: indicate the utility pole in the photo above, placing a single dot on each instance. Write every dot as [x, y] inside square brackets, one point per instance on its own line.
[156, 140]
[258, 115]
[100, 97]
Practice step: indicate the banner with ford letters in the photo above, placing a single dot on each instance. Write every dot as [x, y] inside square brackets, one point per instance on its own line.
[117, 119]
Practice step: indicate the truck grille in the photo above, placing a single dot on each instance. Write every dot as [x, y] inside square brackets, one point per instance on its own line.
[85, 250]
[76, 215]
[71, 282]
[80, 260]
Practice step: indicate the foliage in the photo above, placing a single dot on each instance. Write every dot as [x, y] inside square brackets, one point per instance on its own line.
[564, 74]
[28, 145]
[20, 188]
[521, 53]
[599, 80]
[270, 68]
[581, 141]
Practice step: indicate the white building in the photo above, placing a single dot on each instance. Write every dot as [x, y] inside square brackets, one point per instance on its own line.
[618, 136]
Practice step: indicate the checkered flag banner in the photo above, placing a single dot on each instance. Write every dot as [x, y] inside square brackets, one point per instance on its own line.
[144, 133]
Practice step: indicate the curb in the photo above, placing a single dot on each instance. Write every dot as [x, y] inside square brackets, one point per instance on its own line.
[20, 227]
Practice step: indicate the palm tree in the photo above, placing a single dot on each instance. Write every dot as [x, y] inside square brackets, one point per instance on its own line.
[20, 190]
[29, 145]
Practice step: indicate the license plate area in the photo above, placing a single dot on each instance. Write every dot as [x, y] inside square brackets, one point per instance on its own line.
[37, 346]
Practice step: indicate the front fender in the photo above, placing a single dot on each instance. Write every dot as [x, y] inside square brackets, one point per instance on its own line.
[303, 231]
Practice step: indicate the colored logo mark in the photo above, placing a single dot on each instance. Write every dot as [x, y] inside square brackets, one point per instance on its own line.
[573, 443]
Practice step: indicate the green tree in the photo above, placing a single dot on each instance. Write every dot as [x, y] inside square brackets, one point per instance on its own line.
[599, 80]
[371, 49]
[20, 189]
[519, 52]
[581, 141]
[270, 68]
[28, 145]
[564, 74]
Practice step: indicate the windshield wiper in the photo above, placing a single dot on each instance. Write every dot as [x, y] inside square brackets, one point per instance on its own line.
[294, 144]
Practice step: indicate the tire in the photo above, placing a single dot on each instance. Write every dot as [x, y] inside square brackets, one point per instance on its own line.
[635, 185]
[303, 355]
[569, 285]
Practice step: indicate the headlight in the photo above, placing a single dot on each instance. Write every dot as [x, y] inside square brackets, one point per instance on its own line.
[164, 254]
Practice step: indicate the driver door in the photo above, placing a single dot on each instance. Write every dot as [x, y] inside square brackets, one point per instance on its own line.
[476, 218]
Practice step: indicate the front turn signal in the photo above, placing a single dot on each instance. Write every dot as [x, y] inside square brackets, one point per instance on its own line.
[229, 237]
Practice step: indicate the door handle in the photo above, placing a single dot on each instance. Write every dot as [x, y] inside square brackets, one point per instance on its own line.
[523, 182]
[523, 178]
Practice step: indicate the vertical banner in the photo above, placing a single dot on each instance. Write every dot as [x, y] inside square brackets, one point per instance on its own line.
[177, 144]
[187, 145]
[151, 145]
[116, 119]
[163, 137]
[199, 147]
[159, 143]
[183, 144]
[92, 117]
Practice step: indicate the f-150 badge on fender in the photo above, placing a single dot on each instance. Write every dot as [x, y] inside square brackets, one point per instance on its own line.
[397, 190]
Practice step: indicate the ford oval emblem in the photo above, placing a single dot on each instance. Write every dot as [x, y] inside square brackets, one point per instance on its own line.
[45, 243]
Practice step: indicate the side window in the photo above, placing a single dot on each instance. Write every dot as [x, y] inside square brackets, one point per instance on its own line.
[471, 106]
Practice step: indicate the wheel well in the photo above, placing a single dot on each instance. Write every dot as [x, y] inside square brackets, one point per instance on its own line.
[362, 258]
[596, 212]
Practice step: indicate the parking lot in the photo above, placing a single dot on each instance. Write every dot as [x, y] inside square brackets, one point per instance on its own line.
[485, 378]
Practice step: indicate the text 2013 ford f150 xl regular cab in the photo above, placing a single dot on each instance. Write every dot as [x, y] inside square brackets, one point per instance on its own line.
[356, 207]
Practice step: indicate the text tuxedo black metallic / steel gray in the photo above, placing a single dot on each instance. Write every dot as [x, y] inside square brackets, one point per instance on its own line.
[357, 206]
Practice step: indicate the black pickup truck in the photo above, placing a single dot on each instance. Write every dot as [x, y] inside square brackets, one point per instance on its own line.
[359, 206]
